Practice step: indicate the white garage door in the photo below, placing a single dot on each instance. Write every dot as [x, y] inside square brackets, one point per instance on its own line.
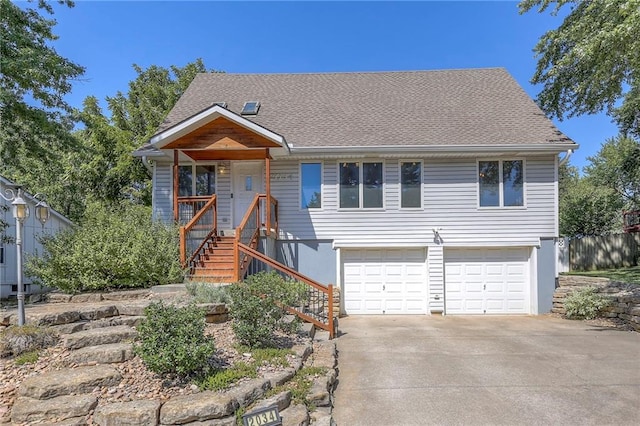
[487, 281]
[385, 281]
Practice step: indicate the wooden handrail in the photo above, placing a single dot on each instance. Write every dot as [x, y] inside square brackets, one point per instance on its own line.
[247, 215]
[281, 267]
[200, 213]
[328, 290]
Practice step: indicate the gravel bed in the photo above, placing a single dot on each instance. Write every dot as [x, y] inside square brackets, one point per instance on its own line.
[137, 382]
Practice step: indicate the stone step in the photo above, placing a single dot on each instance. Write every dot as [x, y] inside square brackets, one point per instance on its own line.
[295, 415]
[141, 412]
[99, 336]
[102, 354]
[29, 410]
[75, 327]
[69, 381]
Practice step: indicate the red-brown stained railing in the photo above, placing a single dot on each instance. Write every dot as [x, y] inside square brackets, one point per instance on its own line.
[317, 304]
[247, 233]
[198, 230]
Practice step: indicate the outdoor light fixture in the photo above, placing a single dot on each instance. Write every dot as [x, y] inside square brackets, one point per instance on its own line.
[20, 211]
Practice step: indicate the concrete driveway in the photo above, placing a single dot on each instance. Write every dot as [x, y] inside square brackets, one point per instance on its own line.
[416, 370]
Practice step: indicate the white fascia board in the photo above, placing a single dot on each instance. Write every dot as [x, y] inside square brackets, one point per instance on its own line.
[377, 244]
[426, 149]
[206, 116]
[529, 242]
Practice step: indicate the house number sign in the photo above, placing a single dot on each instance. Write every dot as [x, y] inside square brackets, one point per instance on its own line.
[264, 417]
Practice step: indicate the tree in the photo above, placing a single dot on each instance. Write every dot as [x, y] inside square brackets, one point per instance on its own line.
[590, 62]
[617, 167]
[33, 83]
[587, 209]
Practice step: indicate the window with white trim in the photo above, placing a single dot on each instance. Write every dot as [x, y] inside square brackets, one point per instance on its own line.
[501, 183]
[361, 185]
[196, 180]
[310, 185]
[411, 184]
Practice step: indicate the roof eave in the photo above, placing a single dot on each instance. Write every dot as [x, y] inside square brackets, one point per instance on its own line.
[534, 147]
[192, 123]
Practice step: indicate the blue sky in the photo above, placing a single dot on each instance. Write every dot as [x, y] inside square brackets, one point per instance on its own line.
[283, 37]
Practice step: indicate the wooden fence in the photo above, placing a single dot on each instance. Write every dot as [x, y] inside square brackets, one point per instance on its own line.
[605, 252]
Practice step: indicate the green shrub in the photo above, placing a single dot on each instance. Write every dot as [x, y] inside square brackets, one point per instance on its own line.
[16, 340]
[222, 379]
[27, 358]
[113, 248]
[585, 303]
[208, 293]
[258, 307]
[172, 340]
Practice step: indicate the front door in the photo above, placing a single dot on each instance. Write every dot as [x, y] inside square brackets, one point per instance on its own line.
[247, 182]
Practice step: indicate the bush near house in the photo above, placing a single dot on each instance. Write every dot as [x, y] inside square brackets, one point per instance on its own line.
[114, 247]
[585, 303]
[258, 307]
[172, 340]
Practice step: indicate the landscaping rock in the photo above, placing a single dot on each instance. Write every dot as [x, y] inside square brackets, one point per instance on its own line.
[86, 298]
[198, 407]
[102, 354]
[133, 308]
[227, 421]
[130, 321]
[63, 407]
[324, 354]
[322, 417]
[319, 393]
[249, 392]
[99, 336]
[280, 377]
[73, 421]
[295, 415]
[281, 400]
[50, 317]
[142, 412]
[92, 313]
[302, 351]
[74, 327]
[69, 381]
[127, 295]
[59, 297]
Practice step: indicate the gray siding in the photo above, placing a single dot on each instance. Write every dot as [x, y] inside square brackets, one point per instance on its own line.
[546, 273]
[163, 193]
[315, 259]
[450, 202]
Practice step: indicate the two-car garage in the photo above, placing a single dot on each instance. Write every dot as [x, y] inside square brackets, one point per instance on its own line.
[475, 281]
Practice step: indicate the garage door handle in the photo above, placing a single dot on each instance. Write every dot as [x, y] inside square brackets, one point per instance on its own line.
[383, 287]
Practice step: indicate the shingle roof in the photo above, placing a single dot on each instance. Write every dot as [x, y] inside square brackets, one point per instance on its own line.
[448, 107]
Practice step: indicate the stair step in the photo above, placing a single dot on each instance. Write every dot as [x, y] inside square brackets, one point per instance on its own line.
[69, 381]
[102, 354]
[99, 336]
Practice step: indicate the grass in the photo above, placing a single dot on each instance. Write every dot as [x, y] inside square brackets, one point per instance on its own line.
[300, 385]
[223, 379]
[27, 358]
[627, 275]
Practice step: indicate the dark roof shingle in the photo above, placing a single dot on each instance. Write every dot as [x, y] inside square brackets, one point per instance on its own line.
[360, 109]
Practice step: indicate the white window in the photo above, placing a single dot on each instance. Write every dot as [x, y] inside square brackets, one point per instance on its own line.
[361, 185]
[411, 184]
[204, 182]
[501, 183]
[310, 185]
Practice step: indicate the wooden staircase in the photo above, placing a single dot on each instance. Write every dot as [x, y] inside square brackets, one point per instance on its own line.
[215, 263]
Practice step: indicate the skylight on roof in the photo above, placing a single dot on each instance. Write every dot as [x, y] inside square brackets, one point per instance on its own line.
[250, 108]
[222, 104]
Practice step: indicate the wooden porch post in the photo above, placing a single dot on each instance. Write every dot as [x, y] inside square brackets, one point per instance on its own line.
[268, 206]
[176, 186]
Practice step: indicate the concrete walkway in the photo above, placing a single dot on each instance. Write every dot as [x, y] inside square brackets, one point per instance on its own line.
[417, 370]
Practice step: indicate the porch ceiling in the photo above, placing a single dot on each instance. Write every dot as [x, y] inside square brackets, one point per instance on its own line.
[228, 154]
[222, 134]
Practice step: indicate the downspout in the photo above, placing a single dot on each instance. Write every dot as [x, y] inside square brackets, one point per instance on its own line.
[565, 158]
[148, 166]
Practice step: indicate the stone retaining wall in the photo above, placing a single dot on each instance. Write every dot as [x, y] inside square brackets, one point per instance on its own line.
[625, 297]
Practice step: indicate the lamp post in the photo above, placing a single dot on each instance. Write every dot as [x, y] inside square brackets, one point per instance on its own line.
[20, 212]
